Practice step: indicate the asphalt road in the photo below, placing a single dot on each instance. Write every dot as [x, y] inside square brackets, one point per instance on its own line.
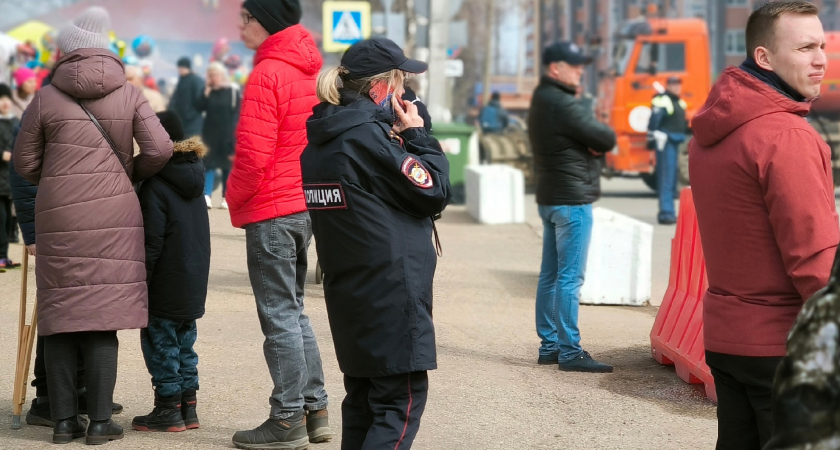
[488, 392]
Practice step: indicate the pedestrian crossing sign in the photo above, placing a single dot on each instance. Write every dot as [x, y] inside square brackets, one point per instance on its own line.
[345, 23]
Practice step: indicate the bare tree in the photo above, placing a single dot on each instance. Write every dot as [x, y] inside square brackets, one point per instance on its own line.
[475, 12]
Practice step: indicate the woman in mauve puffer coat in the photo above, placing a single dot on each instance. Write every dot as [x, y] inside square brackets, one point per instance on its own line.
[91, 269]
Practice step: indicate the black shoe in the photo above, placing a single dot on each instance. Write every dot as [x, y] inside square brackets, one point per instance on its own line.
[101, 432]
[286, 434]
[165, 417]
[318, 426]
[68, 429]
[548, 360]
[83, 406]
[188, 404]
[39, 414]
[667, 220]
[585, 363]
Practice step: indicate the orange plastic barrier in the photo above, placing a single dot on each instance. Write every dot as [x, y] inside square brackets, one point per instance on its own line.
[677, 335]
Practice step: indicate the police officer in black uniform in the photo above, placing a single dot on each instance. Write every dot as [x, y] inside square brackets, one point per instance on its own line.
[373, 180]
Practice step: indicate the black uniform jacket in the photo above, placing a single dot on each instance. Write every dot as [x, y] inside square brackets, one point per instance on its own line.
[562, 133]
[371, 195]
[177, 230]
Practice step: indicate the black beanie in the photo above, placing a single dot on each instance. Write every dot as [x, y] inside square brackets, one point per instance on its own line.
[172, 124]
[184, 62]
[5, 90]
[275, 15]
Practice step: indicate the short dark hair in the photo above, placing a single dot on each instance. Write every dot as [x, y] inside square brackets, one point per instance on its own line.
[761, 27]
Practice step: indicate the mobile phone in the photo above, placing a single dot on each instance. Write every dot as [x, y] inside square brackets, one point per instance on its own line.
[381, 95]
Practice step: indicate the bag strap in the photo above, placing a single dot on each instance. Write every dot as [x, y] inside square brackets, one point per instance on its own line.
[106, 136]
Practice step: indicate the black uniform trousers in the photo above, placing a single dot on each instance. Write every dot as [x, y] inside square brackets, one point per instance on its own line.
[383, 412]
[99, 349]
[40, 371]
[744, 387]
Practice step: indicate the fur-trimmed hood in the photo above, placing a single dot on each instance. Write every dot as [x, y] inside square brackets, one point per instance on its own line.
[184, 172]
[193, 144]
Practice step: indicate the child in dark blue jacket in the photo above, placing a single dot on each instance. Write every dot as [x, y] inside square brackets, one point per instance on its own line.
[177, 230]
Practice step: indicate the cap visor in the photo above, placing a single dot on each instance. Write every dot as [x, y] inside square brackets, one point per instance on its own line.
[581, 60]
[413, 66]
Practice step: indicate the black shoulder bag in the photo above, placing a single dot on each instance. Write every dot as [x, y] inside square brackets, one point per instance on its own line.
[106, 136]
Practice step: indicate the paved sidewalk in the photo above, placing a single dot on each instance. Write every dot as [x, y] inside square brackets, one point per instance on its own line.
[488, 392]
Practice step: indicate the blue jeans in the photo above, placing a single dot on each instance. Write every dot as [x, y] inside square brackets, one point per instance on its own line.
[566, 236]
[210, 181]
[666, 180]
[277, 264]
[168, 350]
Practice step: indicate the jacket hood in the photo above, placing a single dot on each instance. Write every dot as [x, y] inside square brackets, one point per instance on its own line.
[89, 73]
[329, 121]
[294, 46]
[184, 172]
[738, 98]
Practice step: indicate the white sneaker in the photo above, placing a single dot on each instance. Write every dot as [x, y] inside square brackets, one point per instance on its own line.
[209, 201]
[224, 204]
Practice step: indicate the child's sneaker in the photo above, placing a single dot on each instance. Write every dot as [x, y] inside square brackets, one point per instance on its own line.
[209, 201]
[188, 403]
[165, 417]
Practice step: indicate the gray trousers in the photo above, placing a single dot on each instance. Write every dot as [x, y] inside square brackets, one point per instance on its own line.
[277, 265]
[99, 349]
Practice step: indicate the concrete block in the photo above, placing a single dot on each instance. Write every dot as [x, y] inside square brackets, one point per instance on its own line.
[618, 269]
[495, 194]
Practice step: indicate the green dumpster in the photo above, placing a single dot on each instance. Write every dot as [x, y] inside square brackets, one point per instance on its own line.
[455, 140]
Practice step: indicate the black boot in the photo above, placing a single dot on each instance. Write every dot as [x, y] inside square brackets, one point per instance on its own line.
[165, 417]
[66, 430]
[39, 413]
[101, 431]
[188, 404]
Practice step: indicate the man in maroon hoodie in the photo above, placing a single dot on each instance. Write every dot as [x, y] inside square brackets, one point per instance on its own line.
[762, 184]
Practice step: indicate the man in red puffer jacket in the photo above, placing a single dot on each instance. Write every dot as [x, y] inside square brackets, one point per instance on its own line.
[266, 198]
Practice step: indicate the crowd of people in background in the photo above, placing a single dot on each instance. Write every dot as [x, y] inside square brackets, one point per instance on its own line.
[209, 109]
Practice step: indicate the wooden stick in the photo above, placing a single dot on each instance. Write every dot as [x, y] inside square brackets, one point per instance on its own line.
[26, 337]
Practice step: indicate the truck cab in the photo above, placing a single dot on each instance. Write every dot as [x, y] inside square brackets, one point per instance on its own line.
[648, 52]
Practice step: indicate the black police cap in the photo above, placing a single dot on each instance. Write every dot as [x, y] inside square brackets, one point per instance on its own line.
[565, 51]
[375, 56]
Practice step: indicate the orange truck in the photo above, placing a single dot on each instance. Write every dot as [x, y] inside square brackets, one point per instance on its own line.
[650, 51]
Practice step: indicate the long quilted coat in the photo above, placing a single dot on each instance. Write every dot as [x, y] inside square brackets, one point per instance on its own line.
[91, 270]
[265, 181]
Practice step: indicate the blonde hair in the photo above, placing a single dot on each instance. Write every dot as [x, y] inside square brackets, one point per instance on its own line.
[219, 68]
[331, 81]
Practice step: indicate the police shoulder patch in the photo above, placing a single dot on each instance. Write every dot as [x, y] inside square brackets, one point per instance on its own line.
[324, 196]
[416, 172]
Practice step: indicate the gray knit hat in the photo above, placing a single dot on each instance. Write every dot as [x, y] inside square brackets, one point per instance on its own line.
[89, 30]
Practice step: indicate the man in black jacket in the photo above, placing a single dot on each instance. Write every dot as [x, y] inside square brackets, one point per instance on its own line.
[190, 88]
[567, 141]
